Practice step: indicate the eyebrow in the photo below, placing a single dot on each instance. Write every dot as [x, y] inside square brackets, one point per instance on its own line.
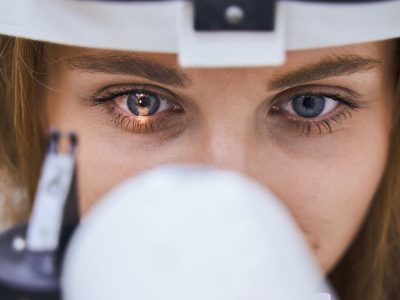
[328, 67]
[129, 65]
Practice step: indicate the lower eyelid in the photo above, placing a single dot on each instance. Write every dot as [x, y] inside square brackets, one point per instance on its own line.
[337, 109]
[162, 121]
[328, 123]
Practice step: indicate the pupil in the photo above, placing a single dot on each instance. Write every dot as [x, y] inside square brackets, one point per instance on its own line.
[308, 102]
[308, 106]
[144, 101]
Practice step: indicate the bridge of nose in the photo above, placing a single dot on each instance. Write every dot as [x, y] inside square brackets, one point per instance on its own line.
[228, 102]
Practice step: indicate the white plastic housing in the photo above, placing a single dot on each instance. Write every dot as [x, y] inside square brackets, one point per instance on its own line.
[188, 233]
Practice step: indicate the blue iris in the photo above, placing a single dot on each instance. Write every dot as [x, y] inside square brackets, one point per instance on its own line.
[308, 106]
[143, 104]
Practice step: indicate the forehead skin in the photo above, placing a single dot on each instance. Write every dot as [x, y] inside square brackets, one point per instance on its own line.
[327, 181]
[294, 59]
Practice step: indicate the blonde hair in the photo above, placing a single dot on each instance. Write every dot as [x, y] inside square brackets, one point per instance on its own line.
[22, 140]
[370, 269]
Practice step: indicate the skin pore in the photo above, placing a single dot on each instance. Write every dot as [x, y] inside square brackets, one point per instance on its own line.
[325, 166]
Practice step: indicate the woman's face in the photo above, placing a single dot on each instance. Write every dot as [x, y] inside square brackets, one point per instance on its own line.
[314, 130]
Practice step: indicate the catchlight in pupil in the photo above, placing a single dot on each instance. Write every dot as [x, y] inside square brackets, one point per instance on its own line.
[143, 104]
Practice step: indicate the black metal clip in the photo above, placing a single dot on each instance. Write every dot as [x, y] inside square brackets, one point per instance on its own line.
[234, 15]
[32, 271]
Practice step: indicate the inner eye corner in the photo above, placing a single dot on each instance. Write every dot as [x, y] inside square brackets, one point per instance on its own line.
[275, 108]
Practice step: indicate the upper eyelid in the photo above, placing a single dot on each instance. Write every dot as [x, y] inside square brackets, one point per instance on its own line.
[185, 102]
[319, 88]
[127, 88]
[322, 90]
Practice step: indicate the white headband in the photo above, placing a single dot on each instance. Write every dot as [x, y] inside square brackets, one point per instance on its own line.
[167, 26]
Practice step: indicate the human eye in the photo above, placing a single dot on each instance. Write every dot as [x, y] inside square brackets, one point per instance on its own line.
[142, 109]
[315, 109]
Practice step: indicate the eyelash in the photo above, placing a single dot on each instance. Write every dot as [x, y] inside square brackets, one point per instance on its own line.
[138, 125]
[306, 126]
[163, 120]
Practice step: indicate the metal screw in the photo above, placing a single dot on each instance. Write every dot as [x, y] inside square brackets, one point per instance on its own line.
[19, 244]
[234, 14]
